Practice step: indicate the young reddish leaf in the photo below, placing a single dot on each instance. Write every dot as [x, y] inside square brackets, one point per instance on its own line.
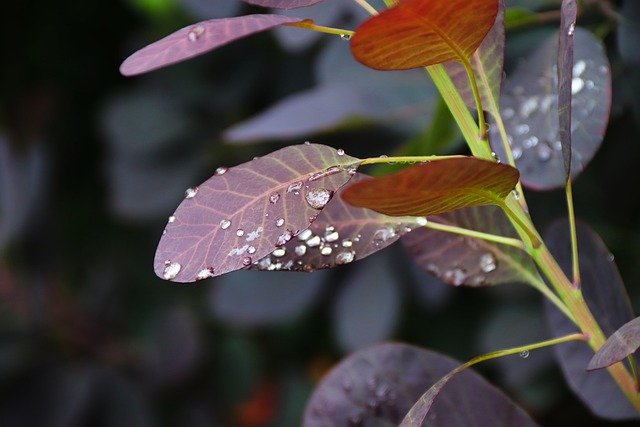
[529, 109]
[461, 260]
[624, 342]
[418, 33]
[341, 234]
[607, 298]
[487, 63]
[283, 4]
[197, 39]
[569, 12]
[436, 187]
[243, 213]
[377, 386]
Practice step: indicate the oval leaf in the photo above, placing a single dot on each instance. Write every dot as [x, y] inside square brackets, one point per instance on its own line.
[461, 260]
[436, 187]
[283, 4]
[418, 33]
[624, 342]
[243, 213]
[197, 39]
[377, 386]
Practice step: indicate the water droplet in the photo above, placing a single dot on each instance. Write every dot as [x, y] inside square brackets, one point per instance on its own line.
[345, 37]
[205, 274]
[346, 243]
[254, 234]
[300, 250]
[340, 152]
[557, 145]
[522, 129]
[544, 152]
[383, 234]
[517, 153]
[171, 270]
[331, 236]
[274, 198]
[221, 170]
[304, 235]
[327, 172]
[251, 250]
[171, 219]
[284, 238]
[421, 221]
[247, 261]
[579, 67]
[572, 29]
[279, 253]
[530, 142]
[455, 276]
[191, 193]
[351, 171]
[495, 156]
[488, 262]
[326, 250]
[307, 143]
[516, 194]
[240, 232]
[345, 257]
[577, 84]
[195, 33]
[279, 222]
[314, 241]
[264, 264]
[317, 198]
[295, 187]
[524, 354]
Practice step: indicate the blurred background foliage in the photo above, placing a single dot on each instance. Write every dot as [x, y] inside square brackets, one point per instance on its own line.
[92, 164]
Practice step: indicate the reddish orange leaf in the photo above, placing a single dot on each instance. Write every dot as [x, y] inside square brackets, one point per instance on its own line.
[436, 187]
[418, 33]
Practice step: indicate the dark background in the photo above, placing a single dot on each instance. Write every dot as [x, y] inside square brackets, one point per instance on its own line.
[92, 164]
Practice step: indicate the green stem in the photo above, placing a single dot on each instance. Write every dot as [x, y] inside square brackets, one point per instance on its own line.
[407, 159]
[634, 370]
[516, 243]
[574, 238]
[309, 25]
[482, 126]
[366, 6]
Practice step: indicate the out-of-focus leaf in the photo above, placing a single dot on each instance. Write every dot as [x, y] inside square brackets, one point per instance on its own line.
[487, 63]
[629, 31]
[529, 109]
[418, 33]
[251, 299]
[624, 342]
[568, 15]
[328, 13]
[460, 260]
[435, 187]
[377, 386]
[283, 4]
[607, 299]
[340, 235]
[197, 39]
[368, 305]
[518, 17]
[206, 9]
[242, 214]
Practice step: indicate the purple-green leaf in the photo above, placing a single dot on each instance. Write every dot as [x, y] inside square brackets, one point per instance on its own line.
[283, 4]
[568, 15]
[624, 342]
[377, 386]
[242, 214]
[460, 260]
[529, 109]
[607, 299]
[197, 39]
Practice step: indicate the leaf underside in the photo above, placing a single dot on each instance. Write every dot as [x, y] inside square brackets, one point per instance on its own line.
[283, 4]
[624, 342]
[568, 16]
[241, 215]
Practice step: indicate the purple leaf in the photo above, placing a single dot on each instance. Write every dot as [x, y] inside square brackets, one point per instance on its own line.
[529, 109]
[624, 342]
[341, 234]
[607, 299]
[197, 39]
[377, 386]
[569, 12]
[283, 4]
[628, 35]
[460, 260]
[243, 213]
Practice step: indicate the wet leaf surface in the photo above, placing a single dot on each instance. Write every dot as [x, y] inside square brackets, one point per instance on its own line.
[377, 386]
[197, 39]
[624, 342]
[418, 33]
[607, 299]
[283, 4]
[529, 109]
[568, 15]
[242, 214]
[435, 187]
[461, 260]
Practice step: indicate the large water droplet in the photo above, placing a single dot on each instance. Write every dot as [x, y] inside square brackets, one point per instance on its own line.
[313, 241]
[221, 170]
[488, 262]
[279, 253]
[240, 232]
[274, 198]
[572, 29]
[279, 222]
[455, 276]
[347, 243]
[577, 84]
[191, 193]
[171, 219]
[205, 274]
[383, 234]
[300, 250]
[421, 221]
[579, 67]
[195, 33]
[345, 257]
[331, 236]
[171, 270]
[524, 354]
[345, 37]
[305, 234]
[318, 198]
[326, 250]
[340, 152]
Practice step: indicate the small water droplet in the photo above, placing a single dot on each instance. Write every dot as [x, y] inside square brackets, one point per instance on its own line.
[317, 198]
[247, 261]
[295, 188]
[421, 221]
[195, 33]
[312, 219]
[326, 250]
[307, 143]
[495, 156]
[279, 222]
[221, 170]
[455, 276]
[313, 241]
[572, 29]
[284, 238]
[351, 171]
[225, 223]
[305, 234]
[611, 257]
[240, 232]
[300, 250]
[331, 236]
[577, 84]
[517, 153]
[340, 152]
[274, 198]
[279, 253]
[524, 354]
[191, 193]
[383, 234]
[516, 194]
[579, 67]
[530, 142]
[522, 129]
[345, 37]
[205, 274]
[171, 270]
[171, 219]
[544, 152]
[346, 243]
[345, 257]
[488, 262]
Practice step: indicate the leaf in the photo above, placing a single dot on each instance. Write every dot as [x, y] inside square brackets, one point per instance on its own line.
[461, 260]
[607, 299]
[378, 385]
[197, 39]
[628, 35]
[436, 187]
[529, 109]
[418, 33]
[568, 15]
[340, 235]
[283, 4]
[243, 213]
[487, 63]
[624, 342]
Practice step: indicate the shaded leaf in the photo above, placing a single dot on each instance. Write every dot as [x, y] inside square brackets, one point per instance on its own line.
[283, 4]
[377, 386]
[624, 342]
[487, 63]
[418, 33]
[243, 213]
[629, 31]
[435, 187]
[461, 260]
[205, 9]
[568, 15]
[197, 39]
[607, 299]
[340, 235]
[529, 109]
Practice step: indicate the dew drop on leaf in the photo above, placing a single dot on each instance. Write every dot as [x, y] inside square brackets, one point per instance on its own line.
[345, 257]
[171, 270]
[191, 193]
[279, 222]
[247, 261]
[251, 250]
[304, 235]
[347, 243]
[240, 232]
[195, 33]
[225, 223]
[171, 219]
[331, 236]
[421, 221]
[274, 198]
[205, 273]
[313, 241]
[488, 262]
[383, 234]
[524, 354]
[455, 276]
[221, 170]
[340, 152]
[318, 198]
[300, 250]
[326, 250]
[284, 238]
[278, 253]
[294, 188]
[345, 37]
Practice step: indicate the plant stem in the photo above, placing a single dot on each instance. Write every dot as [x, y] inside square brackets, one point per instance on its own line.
[482, 126]
[309, 25]
[575, 262]
[516, 243]
[366, 6]
[407, 159]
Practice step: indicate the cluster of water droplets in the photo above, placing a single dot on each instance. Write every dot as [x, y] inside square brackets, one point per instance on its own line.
[470, 275]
